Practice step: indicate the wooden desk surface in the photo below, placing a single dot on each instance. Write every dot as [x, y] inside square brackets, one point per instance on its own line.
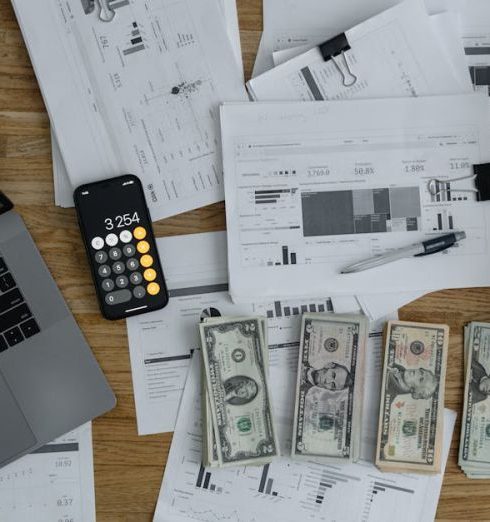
[128, 468]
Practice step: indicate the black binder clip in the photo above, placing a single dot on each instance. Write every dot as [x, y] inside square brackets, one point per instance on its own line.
[333, 48]
[482, 181]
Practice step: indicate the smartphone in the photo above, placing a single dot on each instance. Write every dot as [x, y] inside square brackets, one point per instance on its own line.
[116, 229]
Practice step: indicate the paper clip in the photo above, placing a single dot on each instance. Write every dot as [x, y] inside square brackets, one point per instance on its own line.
[106, 13]
[481, 176]
[437, 186]
[338, 46]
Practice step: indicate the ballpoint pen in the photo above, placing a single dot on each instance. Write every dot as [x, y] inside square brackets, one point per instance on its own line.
[431, 246]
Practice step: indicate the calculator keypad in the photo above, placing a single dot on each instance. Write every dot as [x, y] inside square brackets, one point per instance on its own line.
[125, 266]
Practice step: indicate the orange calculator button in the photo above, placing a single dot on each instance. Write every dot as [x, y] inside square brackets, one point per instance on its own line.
[150, 274]
[143, 247]
[139, 233]
[146, 261]
[153, 288]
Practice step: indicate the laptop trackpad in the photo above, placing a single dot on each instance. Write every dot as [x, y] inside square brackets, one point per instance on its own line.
[15, 434]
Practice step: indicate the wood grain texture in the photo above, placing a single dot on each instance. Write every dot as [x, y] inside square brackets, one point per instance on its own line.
[128, 468]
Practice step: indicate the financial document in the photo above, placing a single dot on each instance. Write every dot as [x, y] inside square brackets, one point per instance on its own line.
[314, 187]
[63, 189]
[161, 342]
[475, 31]
[446, 29]
[288, 23]
[139, 94]
[53, 484]
[291, 489]
[395, 53]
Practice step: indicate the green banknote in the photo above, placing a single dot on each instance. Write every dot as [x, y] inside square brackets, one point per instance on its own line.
[327, 419]
[474, 450]
[412, 397]
[235, 363]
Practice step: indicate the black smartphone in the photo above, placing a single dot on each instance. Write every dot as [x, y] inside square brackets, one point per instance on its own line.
[121, 248]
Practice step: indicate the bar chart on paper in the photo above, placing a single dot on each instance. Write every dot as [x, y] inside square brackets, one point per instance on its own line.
[135, 40]
[54, 483]
[204, 481]
[290, 489]
[297, 307]
[266, 483]
[383, 493]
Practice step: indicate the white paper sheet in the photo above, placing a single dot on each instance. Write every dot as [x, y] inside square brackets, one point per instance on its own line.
[161, 342]
[475, 30]
[63, 189]
[53, 484]
[447, 31]
[303, 182]
[395, 53]
[290, 490]
[376, 306]
[139, 94]
[473, 17]
[288, 23]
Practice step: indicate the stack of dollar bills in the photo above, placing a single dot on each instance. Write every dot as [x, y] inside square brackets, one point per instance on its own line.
[474, 448]
[412, 398]
[329, 389]
[238, 422]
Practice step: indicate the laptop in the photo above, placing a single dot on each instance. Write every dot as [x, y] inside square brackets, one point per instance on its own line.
[50, 382]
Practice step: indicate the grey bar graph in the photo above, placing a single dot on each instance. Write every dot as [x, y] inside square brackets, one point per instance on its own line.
[268, 489]
[475, 51]
[196, 290]
[285, 255]
[206, 480]
[396, 488]
[133, 49]
[277, 306]
[310, 81]
[263, 479]
[200, 476]
[57, 448]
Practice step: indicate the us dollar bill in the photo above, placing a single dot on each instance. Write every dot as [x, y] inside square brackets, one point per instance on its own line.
[209, 445]
[474, 449]
[234, 359]
[412, 397]
[328, 405]
[209, 449]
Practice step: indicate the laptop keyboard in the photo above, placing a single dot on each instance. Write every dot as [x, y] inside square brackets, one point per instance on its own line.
[16, 320]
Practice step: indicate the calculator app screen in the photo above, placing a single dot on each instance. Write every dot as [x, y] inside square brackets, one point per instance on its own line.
[112, 207]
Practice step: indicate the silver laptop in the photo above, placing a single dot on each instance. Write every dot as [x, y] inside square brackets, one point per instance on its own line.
[50, 382]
